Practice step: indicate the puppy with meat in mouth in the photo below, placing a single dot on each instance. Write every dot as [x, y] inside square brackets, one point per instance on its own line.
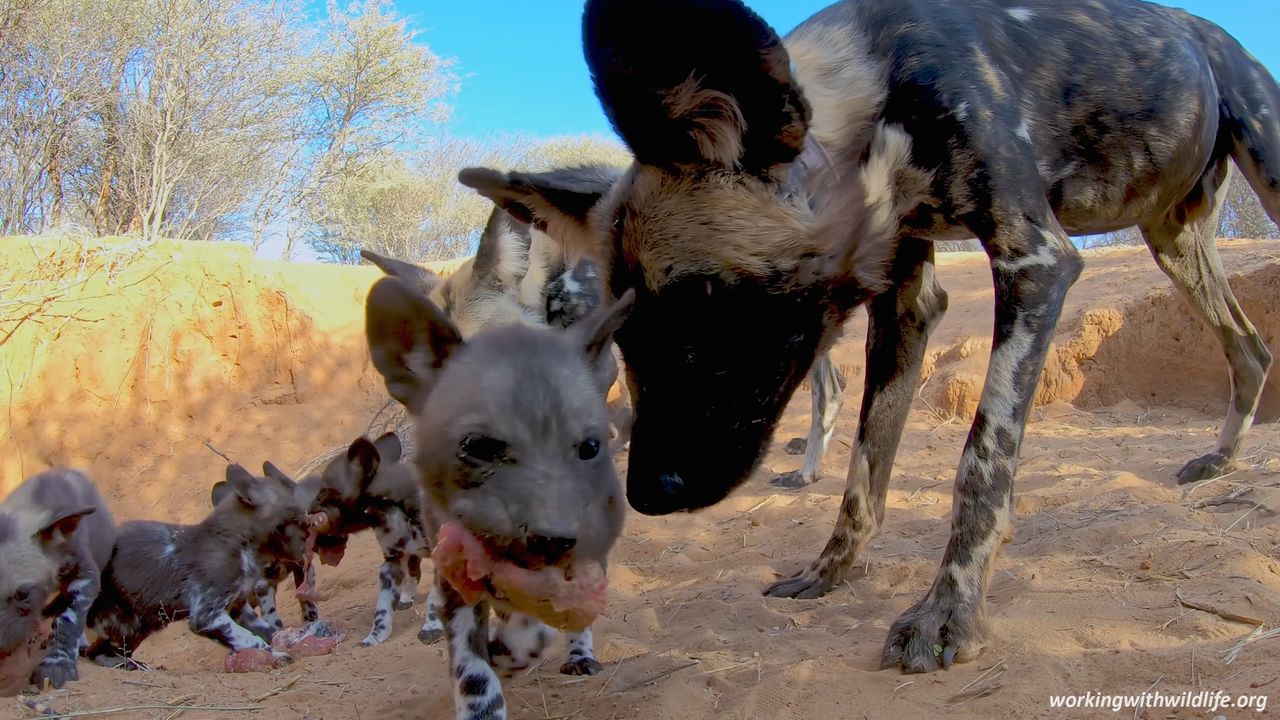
[518, 488]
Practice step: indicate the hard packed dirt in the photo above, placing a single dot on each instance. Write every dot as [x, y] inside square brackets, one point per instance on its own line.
[137, 362]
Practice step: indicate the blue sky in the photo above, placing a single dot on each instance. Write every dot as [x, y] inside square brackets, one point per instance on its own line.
[522, 70]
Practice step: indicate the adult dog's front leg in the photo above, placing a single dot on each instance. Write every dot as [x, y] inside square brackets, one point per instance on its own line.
[898, 332]
[1032, 272]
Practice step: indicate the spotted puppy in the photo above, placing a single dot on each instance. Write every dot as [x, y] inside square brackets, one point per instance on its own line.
[56, 535]
[509, 426]
[203, 573]
[369, 489]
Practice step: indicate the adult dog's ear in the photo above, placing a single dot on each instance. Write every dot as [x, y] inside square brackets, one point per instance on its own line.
[555, 202]
[695, 83]
[409, 340]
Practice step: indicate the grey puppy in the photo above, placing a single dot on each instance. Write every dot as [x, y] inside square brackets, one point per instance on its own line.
[56, 535]
[511, 425]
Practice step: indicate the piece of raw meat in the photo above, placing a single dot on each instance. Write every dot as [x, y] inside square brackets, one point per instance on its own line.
[568, 601]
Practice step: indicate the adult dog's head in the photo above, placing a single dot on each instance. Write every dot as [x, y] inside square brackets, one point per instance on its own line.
[747, 244]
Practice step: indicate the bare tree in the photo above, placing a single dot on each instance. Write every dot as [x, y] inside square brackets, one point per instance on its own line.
[1242, 213]
[416, 210]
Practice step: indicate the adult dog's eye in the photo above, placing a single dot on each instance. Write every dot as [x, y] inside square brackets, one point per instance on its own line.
[481, 449]
[588, 449]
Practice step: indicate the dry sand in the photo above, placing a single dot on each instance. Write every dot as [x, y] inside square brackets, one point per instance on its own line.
[125, 361]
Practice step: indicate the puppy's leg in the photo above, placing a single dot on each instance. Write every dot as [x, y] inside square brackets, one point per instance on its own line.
[265, 591]
[477, 690]
[211, 620]
[826, 384]
[582, 655]
[59, 665]
[411, 574]
[310, 613]
[390, 577]
[517, 642]
[432, 629]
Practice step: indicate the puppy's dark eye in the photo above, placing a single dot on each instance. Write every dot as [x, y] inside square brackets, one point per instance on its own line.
[22, 595]
[588, 449]
[481, 449]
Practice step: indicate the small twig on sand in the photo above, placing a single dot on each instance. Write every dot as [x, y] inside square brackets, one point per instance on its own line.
[1235, 497]
[186, 708]
[219, 453]
[984, 674]
[277, 691]
[1187, 493]
[608, 680]
[727, 668]
[1224, 614]
[655, 678]
[919, 490]
[182, 703]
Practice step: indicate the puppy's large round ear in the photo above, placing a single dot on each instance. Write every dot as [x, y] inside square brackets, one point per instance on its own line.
[219, 492]
[242, 483]
[62, 524]
[410, 339]
[417, 277]
[275, 473]
[363, 460]
[390, 450]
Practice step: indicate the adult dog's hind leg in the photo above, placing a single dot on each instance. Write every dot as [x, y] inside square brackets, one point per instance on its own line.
[1033, 265]
[1183, 246]
[826, 384]
[897, 333]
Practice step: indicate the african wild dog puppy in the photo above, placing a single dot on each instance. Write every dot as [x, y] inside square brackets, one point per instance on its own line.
[518, 276]
[56, 535]
[510, 424]
[274, 572]
[779, 183]
[369, 488]
[160, 573]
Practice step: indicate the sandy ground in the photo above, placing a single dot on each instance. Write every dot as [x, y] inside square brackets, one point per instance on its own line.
[126, 361]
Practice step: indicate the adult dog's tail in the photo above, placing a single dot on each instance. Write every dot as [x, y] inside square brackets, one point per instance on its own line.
[1250, 113]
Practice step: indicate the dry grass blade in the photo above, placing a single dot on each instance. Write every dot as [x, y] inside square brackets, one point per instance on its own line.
[655, 678]
[277, 690]
[1224, 614]
[159, 706]
[1256, 636]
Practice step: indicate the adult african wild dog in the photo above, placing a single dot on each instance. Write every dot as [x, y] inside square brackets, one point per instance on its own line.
[56, 535]
[760, 210]
[518, 488]
[160, 573]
